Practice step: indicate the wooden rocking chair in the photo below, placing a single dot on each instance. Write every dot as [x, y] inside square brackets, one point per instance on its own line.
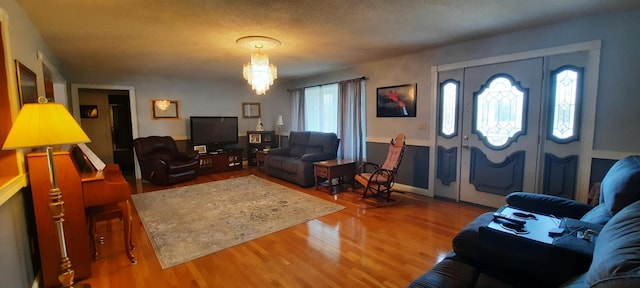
[378, 180]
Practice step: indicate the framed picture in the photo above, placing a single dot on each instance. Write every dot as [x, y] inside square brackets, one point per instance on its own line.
[171, 112]
[88, 111]
[267, 138]
[202, 149]
[255, 138]
[396, 101]
[250, 110]
[27, 87]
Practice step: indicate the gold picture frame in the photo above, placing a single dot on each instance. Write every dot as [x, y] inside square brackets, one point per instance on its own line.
[171, 113]
[255, 138]
[250, 110]
[27, 84]
[202, 149]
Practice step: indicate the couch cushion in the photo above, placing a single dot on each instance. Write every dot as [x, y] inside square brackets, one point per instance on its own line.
[616, 256]
[598, 215]
[467, 243]
[621, 185]
[447, 273]
[297, 150]
[312, 149]
[290, 165]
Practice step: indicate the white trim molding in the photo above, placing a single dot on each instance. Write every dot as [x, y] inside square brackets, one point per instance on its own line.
[75, 87]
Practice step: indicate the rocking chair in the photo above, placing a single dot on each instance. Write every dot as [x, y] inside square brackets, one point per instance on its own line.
[378, 180]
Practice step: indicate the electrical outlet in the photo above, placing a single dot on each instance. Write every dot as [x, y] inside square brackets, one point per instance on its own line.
[422, 125]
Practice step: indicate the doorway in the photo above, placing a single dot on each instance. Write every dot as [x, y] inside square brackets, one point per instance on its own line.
[113, 130]
[503, 128]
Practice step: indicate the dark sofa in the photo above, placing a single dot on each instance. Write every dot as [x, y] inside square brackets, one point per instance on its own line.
[614, 260]
[295, 163]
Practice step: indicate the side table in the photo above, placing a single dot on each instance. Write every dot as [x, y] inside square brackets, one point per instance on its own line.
[332, 169]
[260, 156]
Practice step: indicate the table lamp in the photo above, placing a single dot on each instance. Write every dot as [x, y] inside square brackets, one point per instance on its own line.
[46, 125]
[279, 124]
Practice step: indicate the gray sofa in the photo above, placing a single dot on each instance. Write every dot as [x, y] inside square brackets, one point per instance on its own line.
[295, 163]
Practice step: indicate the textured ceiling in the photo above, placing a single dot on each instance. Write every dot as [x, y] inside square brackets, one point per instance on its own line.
[99, 41]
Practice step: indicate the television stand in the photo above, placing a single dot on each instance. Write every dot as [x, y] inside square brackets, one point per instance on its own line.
[220, 161]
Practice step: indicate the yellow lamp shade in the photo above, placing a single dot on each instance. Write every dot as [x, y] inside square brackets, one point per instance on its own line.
[48, 124]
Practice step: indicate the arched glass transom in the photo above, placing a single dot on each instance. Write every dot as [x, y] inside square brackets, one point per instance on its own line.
[449, 108]
[499, 112]
[565, 104]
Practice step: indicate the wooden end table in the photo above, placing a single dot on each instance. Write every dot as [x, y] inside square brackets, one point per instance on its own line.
[332, 169]
[260, 156]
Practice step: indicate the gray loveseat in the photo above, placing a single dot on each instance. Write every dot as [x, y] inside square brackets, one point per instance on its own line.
[295, 164]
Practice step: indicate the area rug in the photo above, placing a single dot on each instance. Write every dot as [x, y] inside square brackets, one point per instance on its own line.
[189, 222]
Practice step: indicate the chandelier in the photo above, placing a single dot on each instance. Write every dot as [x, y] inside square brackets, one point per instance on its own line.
[259, 72]
[163, 105]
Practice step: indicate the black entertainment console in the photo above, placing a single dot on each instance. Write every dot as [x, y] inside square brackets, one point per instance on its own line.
[220, 161]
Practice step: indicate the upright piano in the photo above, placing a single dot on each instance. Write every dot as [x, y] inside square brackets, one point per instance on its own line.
[83, 186]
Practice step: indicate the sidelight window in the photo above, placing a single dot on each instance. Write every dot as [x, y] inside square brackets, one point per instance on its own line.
[449, 108]
[565, 96]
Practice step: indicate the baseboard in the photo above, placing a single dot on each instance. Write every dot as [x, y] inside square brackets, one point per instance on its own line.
[412, 189]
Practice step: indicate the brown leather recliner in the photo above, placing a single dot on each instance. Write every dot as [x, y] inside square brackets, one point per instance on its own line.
[161, 163]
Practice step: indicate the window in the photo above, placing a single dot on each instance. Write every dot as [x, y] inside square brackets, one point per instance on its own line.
[565, 95]
[499, 111]
[449, 108]
[321, 108]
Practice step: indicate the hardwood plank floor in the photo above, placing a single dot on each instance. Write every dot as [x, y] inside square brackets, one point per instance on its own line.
[364, 245]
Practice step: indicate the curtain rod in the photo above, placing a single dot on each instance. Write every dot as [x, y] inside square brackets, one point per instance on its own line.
[361, 78]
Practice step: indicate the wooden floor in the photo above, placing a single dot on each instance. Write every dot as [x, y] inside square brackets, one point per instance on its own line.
[364, 245]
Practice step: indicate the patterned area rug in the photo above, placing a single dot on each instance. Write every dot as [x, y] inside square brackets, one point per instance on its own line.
[193, 221]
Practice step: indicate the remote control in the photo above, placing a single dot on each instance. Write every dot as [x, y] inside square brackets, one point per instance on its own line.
[509, 218]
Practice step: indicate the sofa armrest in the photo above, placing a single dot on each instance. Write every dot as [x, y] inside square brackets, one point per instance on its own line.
[313, 157]
[548, 204]
[279, 151]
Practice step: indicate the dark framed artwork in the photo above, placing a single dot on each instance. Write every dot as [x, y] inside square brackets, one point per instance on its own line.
[396, 101]
[27, 84]
[88, 111]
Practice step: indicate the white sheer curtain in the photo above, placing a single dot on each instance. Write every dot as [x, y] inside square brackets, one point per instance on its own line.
[351, 128]
[337, 108]
[321, 108]
[297, 113]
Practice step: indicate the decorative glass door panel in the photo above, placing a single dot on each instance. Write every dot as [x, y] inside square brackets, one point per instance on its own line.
[499, 112]
[500, 130]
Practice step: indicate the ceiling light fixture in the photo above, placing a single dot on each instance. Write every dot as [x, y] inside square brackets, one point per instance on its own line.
[259, 73]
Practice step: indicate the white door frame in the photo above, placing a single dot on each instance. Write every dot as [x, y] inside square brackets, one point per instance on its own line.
[588, 110]
[75, 87]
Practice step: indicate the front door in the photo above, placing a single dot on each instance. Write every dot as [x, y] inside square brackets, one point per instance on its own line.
[500, 130]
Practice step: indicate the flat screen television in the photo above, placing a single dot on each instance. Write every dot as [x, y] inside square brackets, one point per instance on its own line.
[214, 131]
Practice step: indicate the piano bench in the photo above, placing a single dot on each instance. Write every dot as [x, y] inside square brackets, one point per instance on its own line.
[120, 210]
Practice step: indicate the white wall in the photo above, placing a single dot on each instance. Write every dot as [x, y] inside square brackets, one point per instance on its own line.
[201, 98]
[617, 117]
